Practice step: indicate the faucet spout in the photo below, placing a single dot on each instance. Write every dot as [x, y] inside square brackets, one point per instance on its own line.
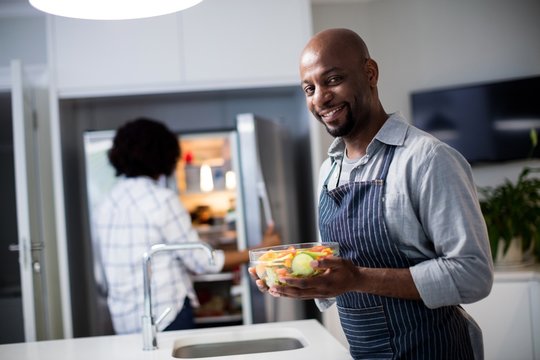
[149, 326]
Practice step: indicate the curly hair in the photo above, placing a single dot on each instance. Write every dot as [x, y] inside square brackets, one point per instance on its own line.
[144, 147]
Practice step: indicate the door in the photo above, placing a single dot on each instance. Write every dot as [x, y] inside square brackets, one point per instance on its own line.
[10, 280]
[29, 244]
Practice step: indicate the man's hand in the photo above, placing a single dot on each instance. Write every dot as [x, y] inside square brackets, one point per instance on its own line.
[260, 283]
[338, 276]
[270, 238]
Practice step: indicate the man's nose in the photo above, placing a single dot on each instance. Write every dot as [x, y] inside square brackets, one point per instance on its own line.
[322, 96]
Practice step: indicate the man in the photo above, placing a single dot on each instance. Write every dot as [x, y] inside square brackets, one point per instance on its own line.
[404, 209]
[139, 213]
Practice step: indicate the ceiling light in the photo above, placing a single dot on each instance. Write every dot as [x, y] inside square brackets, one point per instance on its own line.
[111, 9]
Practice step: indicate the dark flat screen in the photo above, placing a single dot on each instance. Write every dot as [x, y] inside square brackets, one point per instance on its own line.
[485, 122]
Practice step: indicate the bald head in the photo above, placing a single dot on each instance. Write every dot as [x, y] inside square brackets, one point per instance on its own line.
[337, 42]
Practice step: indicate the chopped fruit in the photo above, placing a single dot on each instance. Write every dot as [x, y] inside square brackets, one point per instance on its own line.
[291, 261]
[301, 264]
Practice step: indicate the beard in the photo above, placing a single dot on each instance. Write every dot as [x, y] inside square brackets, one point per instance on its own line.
[343, 129]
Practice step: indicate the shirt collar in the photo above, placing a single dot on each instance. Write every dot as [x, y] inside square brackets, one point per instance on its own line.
[393, 132]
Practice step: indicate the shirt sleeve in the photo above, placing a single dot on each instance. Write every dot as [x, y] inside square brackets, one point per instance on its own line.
[176, 228]
[462, 271]
[324, 303]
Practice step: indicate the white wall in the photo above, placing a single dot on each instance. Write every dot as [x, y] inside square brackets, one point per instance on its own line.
[22, 37]
[22, 34]
[422, 44]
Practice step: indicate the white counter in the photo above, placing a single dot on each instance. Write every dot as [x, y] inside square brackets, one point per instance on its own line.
[524, 273]
[319, 345]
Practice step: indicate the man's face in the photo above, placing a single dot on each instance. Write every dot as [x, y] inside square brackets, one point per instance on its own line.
[336, 88]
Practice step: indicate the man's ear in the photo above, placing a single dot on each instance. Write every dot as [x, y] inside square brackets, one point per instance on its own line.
[372, 72]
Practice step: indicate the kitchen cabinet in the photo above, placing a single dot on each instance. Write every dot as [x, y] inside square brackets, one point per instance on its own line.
[510, 316]
[216, 44]
[101, 56]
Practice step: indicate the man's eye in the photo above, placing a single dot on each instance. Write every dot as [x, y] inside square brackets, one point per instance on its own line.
[308, 90]
[334, 80]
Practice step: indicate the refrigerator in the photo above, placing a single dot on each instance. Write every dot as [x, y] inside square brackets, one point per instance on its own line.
[234, 183]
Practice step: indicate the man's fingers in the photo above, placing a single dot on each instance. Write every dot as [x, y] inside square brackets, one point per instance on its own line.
[330, 262]
[261, 285]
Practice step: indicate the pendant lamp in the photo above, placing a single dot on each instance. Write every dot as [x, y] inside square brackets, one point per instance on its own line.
[111, 9]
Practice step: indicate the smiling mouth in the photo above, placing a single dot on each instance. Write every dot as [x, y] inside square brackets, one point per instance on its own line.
[329, 115]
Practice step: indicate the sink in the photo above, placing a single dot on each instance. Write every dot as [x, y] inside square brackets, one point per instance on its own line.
[238, 342]
[236, 348]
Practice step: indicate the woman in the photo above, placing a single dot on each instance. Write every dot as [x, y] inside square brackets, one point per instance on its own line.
[139, 213]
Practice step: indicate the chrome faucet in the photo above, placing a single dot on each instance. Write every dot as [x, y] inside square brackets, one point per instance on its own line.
[149, 326]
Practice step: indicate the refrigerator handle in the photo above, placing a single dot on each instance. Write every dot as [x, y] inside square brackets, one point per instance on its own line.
[263, 195]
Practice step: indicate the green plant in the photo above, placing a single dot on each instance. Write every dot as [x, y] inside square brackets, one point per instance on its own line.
[512, 210]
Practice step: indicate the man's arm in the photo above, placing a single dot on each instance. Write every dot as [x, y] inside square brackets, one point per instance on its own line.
[343, 276]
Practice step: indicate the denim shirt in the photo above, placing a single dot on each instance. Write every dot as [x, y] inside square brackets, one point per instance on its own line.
[431, 209]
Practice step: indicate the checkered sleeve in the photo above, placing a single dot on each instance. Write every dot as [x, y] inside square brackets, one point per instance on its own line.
[177, 228]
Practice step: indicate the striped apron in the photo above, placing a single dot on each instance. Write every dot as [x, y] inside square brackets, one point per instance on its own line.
[379, 327]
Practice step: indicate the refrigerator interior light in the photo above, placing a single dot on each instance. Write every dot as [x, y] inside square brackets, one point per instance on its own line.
[207, 182]
[111, 9]
[230, 180]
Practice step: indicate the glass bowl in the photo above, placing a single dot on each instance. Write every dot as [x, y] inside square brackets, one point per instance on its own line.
[288, 260]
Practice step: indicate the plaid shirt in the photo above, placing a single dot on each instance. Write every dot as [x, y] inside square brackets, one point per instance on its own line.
[137, 214]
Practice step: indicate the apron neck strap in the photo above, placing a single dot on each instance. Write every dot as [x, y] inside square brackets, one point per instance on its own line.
[383, 169]
[388, 156]
[332, 169]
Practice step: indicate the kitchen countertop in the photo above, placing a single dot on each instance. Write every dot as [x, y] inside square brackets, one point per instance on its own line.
[320, 344]
[518, 273]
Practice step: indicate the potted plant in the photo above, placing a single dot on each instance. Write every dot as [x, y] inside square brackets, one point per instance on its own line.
[512, 215]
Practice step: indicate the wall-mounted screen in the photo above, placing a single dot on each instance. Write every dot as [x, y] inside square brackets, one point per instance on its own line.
[485, 122]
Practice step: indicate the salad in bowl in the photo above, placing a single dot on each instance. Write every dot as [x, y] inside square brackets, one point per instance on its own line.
[290, 260]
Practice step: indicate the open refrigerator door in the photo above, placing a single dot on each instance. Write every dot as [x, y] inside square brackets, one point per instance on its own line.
[267, 178]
